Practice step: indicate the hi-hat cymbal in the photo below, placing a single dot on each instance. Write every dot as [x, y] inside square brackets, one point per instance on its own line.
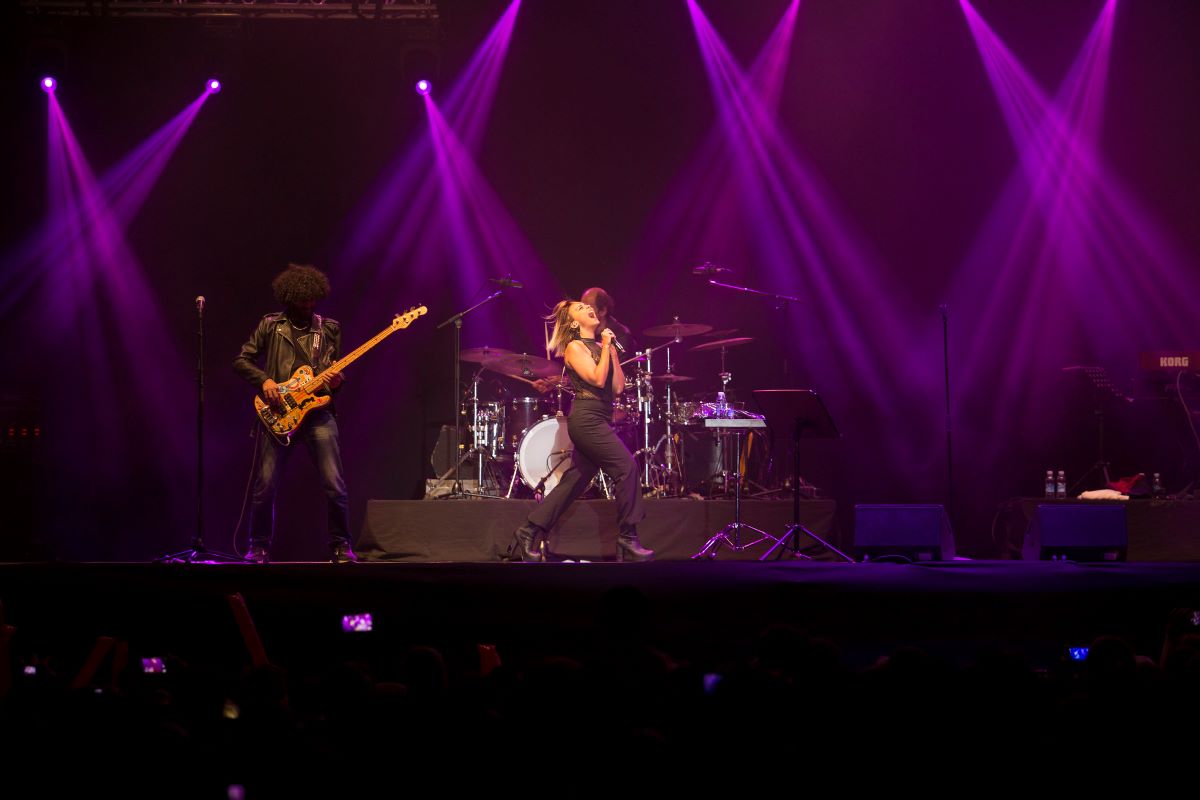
[670, 377]
[721, 344]
[482, 354]
[678, 329]
[520, 365]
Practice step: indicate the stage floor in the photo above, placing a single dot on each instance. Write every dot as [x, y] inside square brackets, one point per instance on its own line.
[703, 612]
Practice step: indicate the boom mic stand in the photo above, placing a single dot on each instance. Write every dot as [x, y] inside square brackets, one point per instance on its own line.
[199, 553]
[457, 489]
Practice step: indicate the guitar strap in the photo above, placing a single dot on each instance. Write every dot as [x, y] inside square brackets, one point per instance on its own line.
[316, 342]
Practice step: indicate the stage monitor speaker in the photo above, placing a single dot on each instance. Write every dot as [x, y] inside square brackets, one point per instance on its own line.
[1078, 532]
[910, 532]
[444, 452]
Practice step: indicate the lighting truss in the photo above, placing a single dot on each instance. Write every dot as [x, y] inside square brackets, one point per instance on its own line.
[413, 11]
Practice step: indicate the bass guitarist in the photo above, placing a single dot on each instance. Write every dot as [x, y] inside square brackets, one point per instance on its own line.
[288, 340]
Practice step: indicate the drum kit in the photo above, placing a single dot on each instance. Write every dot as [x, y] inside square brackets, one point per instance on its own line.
[523, 440]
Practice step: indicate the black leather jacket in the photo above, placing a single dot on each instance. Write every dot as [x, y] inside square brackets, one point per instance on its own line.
[273, 336]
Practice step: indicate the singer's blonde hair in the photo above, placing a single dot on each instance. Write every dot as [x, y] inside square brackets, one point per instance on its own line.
[565, 331]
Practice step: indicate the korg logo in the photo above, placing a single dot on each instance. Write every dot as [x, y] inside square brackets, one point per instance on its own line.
[1173, 361]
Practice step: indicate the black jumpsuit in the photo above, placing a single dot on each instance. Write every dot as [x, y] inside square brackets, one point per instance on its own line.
[596, 447]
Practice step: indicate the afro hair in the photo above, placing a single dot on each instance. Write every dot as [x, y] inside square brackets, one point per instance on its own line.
[300, 283]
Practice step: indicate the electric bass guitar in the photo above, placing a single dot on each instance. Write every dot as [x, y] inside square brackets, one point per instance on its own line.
[298, 396]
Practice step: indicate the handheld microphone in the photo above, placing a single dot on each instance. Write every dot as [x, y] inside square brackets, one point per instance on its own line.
[508, 282]
[616, 343]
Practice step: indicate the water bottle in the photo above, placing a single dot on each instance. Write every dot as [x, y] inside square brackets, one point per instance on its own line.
[1049, 483]
[1156, 487]
[1060, 487]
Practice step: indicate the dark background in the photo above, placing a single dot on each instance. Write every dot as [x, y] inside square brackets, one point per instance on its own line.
[599, 107]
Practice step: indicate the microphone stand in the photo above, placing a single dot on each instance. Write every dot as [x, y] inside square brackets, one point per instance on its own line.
[199, 553]
[457, 490]
[783, 298]
[945, 311]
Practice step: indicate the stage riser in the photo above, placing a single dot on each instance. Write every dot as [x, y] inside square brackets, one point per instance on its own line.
[479, 530]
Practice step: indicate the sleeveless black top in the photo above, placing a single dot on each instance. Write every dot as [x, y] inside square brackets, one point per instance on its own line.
[585, 390]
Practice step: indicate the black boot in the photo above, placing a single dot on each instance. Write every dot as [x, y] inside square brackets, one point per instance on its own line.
[630, 549]
[530, 543]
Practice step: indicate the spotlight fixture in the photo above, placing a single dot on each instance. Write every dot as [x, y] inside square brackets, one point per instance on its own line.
[212, 86]
[49, 84]
[424, 86]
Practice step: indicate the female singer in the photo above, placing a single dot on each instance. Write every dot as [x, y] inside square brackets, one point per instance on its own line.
[595, 373]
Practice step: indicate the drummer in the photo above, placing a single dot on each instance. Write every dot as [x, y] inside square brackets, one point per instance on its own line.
[603, 304]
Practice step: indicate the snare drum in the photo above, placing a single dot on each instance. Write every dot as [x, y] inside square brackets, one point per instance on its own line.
[523, 413]
[545, 454]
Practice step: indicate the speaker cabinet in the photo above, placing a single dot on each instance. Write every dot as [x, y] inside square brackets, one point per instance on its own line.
[911, 532]
[1075, 532]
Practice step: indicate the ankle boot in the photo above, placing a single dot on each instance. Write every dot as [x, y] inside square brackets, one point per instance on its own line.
[630, 549]
[530, 543]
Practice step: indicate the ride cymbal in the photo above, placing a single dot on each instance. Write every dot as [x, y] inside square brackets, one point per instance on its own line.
[722, 344]
[520, 365]
[677, 329]
[482, 354]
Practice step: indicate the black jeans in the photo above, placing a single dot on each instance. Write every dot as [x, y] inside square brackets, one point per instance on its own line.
[319, 432]
[596, 447]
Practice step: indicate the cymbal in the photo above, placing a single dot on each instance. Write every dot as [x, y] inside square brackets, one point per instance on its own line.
[676, 329]
[670, 377]
[482, 354]
[721, 344]
[520, 365]
[709, 268]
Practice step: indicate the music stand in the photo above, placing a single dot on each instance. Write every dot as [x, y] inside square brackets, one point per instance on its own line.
[803, 412]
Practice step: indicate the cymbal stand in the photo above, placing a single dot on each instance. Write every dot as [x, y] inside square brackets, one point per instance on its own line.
[457, 322]
[645, 404]
[483, 453]
[665, 483]
[669, 452]
[726, 376]
[722, 410]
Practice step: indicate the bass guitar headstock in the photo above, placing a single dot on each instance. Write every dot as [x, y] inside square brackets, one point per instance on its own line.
[406, 319]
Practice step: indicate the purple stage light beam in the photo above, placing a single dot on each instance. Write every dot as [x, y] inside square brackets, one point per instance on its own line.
[804, 246]
[391, 224]
[766, 158]
[486, 239]
[699, 220]
[123, 190]
[106, 284]
[1050, 274]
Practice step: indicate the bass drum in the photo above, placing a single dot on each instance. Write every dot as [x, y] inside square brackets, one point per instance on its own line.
[545, 454]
